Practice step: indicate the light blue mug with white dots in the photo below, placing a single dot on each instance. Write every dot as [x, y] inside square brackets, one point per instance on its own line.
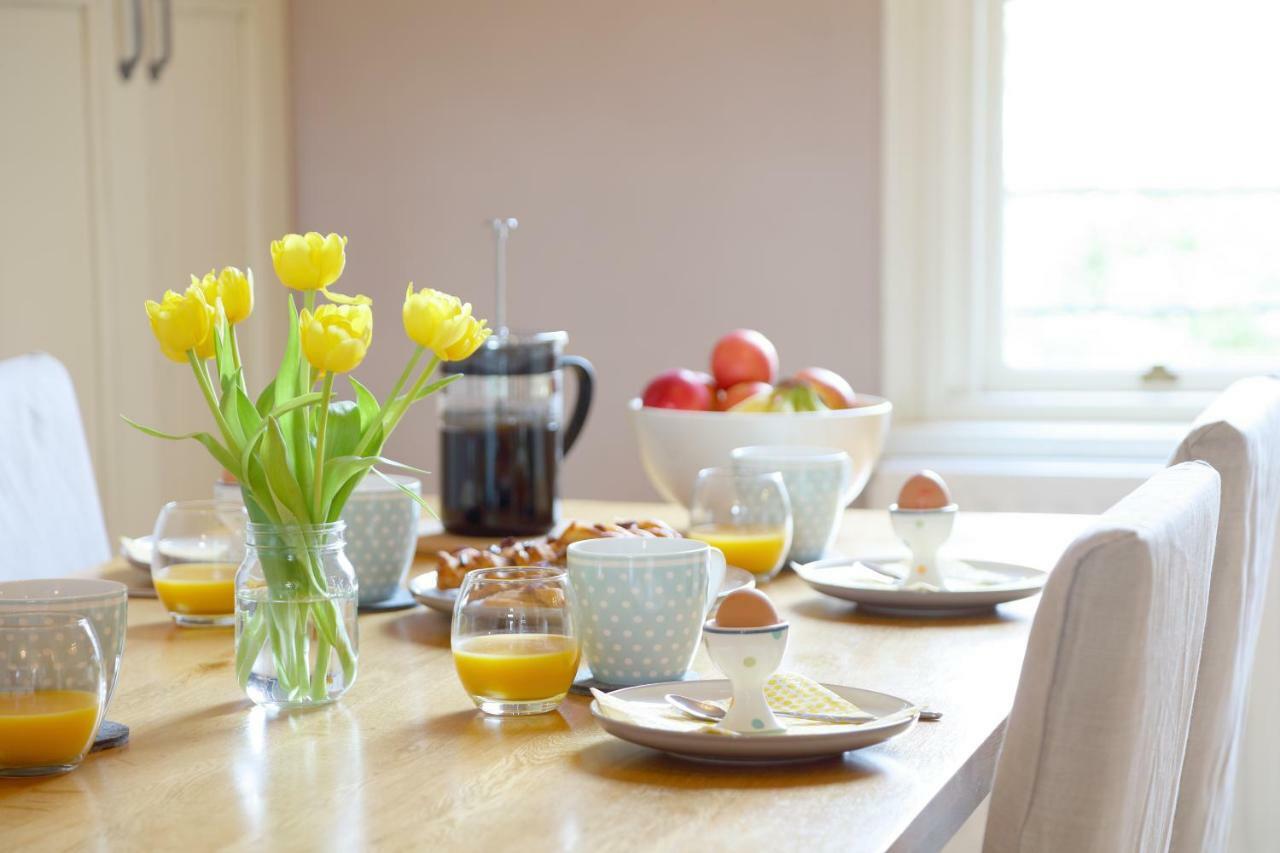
[382, 534]
[641, 604]
[817, 480]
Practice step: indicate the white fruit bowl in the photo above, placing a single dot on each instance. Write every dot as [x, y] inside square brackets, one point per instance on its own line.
[675, 445]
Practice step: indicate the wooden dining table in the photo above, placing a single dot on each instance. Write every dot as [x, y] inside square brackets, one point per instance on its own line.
[404, 759]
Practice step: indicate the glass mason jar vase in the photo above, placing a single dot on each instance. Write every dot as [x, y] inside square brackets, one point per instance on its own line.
[296, 634]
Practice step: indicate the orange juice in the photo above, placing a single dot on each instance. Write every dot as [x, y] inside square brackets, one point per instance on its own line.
[198, 589]
[759, 550]
[47, 727]
[517, 667]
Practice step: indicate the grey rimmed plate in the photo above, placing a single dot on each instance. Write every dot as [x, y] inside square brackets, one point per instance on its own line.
[1003, 582]
[897, 716]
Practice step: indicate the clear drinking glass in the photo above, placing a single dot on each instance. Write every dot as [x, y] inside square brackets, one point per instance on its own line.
[747, 515]
[197, 548]
[515, 643]
[53, 692]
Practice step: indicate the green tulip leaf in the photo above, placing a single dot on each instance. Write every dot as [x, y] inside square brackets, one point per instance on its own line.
[216, 450]
[369, 406]
[340, 472]
[267, 399]
[435, 386]
[416, 497]
[285, 488]
[343, 432]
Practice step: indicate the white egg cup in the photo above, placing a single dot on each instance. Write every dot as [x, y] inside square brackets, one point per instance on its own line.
[747, 657]
[924, 531]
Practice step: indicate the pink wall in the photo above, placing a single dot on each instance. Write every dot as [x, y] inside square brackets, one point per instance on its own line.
[679, 169]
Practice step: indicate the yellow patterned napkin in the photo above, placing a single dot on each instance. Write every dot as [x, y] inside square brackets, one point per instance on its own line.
[784, 691]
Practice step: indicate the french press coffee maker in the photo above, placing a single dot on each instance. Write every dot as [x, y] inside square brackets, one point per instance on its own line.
[503, 431]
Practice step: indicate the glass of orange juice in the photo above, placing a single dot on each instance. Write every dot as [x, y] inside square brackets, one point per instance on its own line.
[197, 547]
[747, 515]
[515, 644]
[53, 691]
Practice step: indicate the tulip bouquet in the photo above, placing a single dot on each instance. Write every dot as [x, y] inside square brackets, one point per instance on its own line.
[297, 452]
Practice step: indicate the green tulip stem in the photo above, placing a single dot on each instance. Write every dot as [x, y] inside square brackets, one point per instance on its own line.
[235, 356]
[325, 394]
[397, 408]
[404, 377]
[209, 397]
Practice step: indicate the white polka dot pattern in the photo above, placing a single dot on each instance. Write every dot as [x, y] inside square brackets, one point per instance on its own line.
[382, 535]
[815, 488]
[640, 624]
[109, 618]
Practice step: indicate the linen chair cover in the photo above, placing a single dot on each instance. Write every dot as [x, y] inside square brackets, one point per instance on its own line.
[1095, 741]
[50, 519]
[1239, 435]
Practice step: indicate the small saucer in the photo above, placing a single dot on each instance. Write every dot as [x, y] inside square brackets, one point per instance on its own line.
[400, 600]
[795, 744]
[110, 735]
[584, 681]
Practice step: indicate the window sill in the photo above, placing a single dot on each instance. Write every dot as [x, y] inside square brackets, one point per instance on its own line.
[1027, 466]
[1134, 441]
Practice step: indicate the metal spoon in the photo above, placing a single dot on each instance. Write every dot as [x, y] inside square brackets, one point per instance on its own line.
[714, 713]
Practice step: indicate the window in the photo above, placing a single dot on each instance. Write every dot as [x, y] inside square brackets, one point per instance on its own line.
[1077, 192]
[1140, 189]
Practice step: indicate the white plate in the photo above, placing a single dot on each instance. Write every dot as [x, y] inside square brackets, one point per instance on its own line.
[836, 578]
[137, 552]
[794, 745]
[425, 590]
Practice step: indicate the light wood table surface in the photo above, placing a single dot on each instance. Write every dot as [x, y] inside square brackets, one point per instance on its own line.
[404, 760]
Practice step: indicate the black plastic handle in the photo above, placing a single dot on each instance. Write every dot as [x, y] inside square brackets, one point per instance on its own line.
[582, 403]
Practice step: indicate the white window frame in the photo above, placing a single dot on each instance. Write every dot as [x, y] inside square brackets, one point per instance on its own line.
[942, 203]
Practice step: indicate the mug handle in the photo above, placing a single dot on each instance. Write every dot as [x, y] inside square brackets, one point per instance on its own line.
[716, 567]
[582, 403]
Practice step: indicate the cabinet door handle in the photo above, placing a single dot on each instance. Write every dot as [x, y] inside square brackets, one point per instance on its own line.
[127, 63]
[158, 64]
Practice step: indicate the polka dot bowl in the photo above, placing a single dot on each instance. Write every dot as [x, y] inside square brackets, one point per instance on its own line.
[105, 604]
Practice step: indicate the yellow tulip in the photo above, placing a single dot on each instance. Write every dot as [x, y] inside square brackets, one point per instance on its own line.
[336, 337]
[182, 322]
[443, 324]
[309, 261]
[233, 287]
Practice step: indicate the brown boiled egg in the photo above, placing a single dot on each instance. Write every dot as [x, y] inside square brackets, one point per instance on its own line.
[747, 608]
[925, 490]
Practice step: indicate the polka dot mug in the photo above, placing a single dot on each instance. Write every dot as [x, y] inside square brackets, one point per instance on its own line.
[641, 604]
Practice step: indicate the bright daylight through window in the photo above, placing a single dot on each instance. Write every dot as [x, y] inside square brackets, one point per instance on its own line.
[1141, 186]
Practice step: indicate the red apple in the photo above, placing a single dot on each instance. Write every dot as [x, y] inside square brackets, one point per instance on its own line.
[744, 356]
[730, 397]
[835, 392]
[706, 379]
[678, 389]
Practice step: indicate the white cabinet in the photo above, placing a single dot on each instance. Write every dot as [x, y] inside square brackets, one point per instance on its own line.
[112, 190]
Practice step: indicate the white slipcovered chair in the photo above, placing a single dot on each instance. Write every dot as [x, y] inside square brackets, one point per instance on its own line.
[1094, 746]
[50, 518]
[1239, 435]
